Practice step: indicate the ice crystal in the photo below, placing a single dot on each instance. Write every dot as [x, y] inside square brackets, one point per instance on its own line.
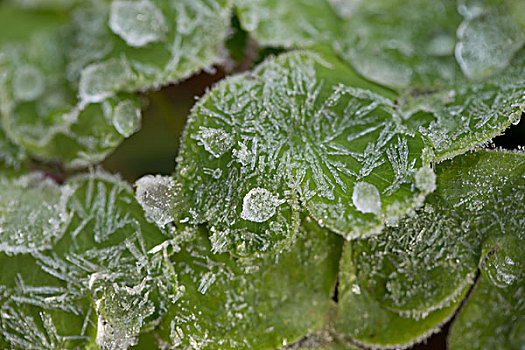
[137, 22]
[259, 205]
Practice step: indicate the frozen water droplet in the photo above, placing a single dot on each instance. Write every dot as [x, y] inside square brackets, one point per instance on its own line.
[157, 195]
[215, 141]
[425, 180]
[502, 270]
[122, 311]
[259, 205]
[243, 154]
[366, 198]
[487, 44]
[126, 118]
[137, 22]
[28, 83]
[99, 81]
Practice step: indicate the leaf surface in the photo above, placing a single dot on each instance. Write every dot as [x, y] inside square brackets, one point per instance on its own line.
[296, 130]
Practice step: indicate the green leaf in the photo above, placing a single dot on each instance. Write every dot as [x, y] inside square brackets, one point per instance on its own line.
[11, 155]
[410, 46]
[426, 261]
[494, 312]
[261, 302]
[396, 43]
[361, 319]
[468, 113]
[83, 243]
[33, 214]
[423, 267]
[296, 23]
[62, 81]
[137, 45]
[402, 44]
[488, 37]
[302, 126]
[39, 108]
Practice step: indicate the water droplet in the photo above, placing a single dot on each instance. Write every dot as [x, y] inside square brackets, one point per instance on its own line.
[501, 269]
[28, 83]
[137, 22]
[426, 180]
[215, 141]
[126, 118]
[366, 198]
[259, 205]
[157, 195]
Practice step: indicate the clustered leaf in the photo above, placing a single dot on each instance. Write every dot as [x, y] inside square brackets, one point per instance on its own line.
[335, 196]
[64, 76]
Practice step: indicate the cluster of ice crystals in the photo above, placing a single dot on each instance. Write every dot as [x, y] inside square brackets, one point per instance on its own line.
[366, 198]
[138, 22]
[215, 141]
[158, 196]
[121, 313]
[425, 179]
[259, 205]
[26, 227]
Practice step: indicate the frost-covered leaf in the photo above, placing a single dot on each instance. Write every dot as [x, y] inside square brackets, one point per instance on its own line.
[396, 43]
[295, 23]
[38, 103]
[429, 260]
[33, 214]
[100, 253]
[11, 155]
[301, 127]
[249, 303]
[402, 44]
[489, 36]
[467, 114]
[61, 82]
[361, 319]
[139, 44]
[494, 315]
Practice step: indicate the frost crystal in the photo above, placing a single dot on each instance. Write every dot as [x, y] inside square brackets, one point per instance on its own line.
[259, 205]
[137, 22]
[425, 180]
[158, 196]
[215, 141]
[487, 41]
[366, 198]
[121, 311]
[100, 80]
[28, 83]
[126, 118]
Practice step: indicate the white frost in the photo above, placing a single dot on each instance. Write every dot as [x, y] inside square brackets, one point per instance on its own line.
[426, 180]
[215, 141]
[137, 22]
[157, 195]
[366, 198]
[259, 205]
[28, 83]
